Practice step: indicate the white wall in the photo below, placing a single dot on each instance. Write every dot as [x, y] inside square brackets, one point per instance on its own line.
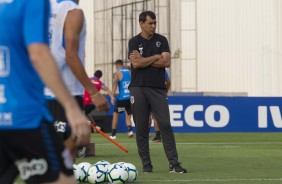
[238, 46]
[88, 7]
[188, 44]
[216, 45]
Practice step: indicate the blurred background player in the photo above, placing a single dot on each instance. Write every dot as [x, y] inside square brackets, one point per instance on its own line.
[67, 33]
[29, 145]
[157, 137]
[88, 104]
[121, 81]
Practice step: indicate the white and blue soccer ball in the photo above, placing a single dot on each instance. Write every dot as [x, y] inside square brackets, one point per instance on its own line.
[77, 172]
[103, 162]
[97, 173]
[132, 172]
[117, 174]
[121, 163]
[84, 166]
[106, 164]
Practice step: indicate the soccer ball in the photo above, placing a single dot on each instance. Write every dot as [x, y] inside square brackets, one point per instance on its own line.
[97, 173]
[106, 164]
[117, 174]
[132, 172]
[84, 166]
[103, 162]
[121, 163]
[77, 172]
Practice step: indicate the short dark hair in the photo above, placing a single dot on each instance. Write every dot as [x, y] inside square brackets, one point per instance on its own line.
[143, 16]
[98, 74]
[119, 62]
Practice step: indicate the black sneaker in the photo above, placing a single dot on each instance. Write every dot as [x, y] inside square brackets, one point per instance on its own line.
[147, 168]
[177, 168]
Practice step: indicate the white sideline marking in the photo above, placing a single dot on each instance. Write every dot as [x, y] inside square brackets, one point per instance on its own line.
[218, 180]
[208, 143]
[228, 143]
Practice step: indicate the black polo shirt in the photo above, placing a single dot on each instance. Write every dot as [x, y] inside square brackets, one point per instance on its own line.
[149, 76]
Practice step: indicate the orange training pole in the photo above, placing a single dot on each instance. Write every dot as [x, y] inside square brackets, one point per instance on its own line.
[106, 136]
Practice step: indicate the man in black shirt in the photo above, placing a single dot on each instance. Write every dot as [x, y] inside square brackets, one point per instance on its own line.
[149, 55]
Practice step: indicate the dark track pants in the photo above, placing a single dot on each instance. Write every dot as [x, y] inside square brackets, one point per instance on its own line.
[143, 101]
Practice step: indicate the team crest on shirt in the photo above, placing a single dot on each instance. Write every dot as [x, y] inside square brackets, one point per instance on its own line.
[158, 43]
[132, 99]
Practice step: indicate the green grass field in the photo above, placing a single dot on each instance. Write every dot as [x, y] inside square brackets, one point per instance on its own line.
[230, 158]
[211, 158]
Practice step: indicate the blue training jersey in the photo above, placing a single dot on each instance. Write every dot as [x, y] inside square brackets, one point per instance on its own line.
[123, 84]
[22, 102]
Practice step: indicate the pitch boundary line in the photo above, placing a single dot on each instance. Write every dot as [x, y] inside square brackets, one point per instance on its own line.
[218, 180]
[210, 143]
[230, 143]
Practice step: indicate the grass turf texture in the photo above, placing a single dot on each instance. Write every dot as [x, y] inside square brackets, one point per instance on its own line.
[232, 158]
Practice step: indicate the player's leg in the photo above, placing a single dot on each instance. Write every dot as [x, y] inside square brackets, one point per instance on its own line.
[62, 127]
[156, 126]
[57, 156]
[56, 151]
[87, 110]
[39, 155]
[79, 151]
[59, 118]
[150, 123]
[129, 125]
[140, 112]
[157, 137]
[114, 125]
[8, 170]
[115, 120]
[93, 121]
[128, 113]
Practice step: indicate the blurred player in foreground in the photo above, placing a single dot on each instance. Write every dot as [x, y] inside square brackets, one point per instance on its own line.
[67, 34]
[29, 145]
